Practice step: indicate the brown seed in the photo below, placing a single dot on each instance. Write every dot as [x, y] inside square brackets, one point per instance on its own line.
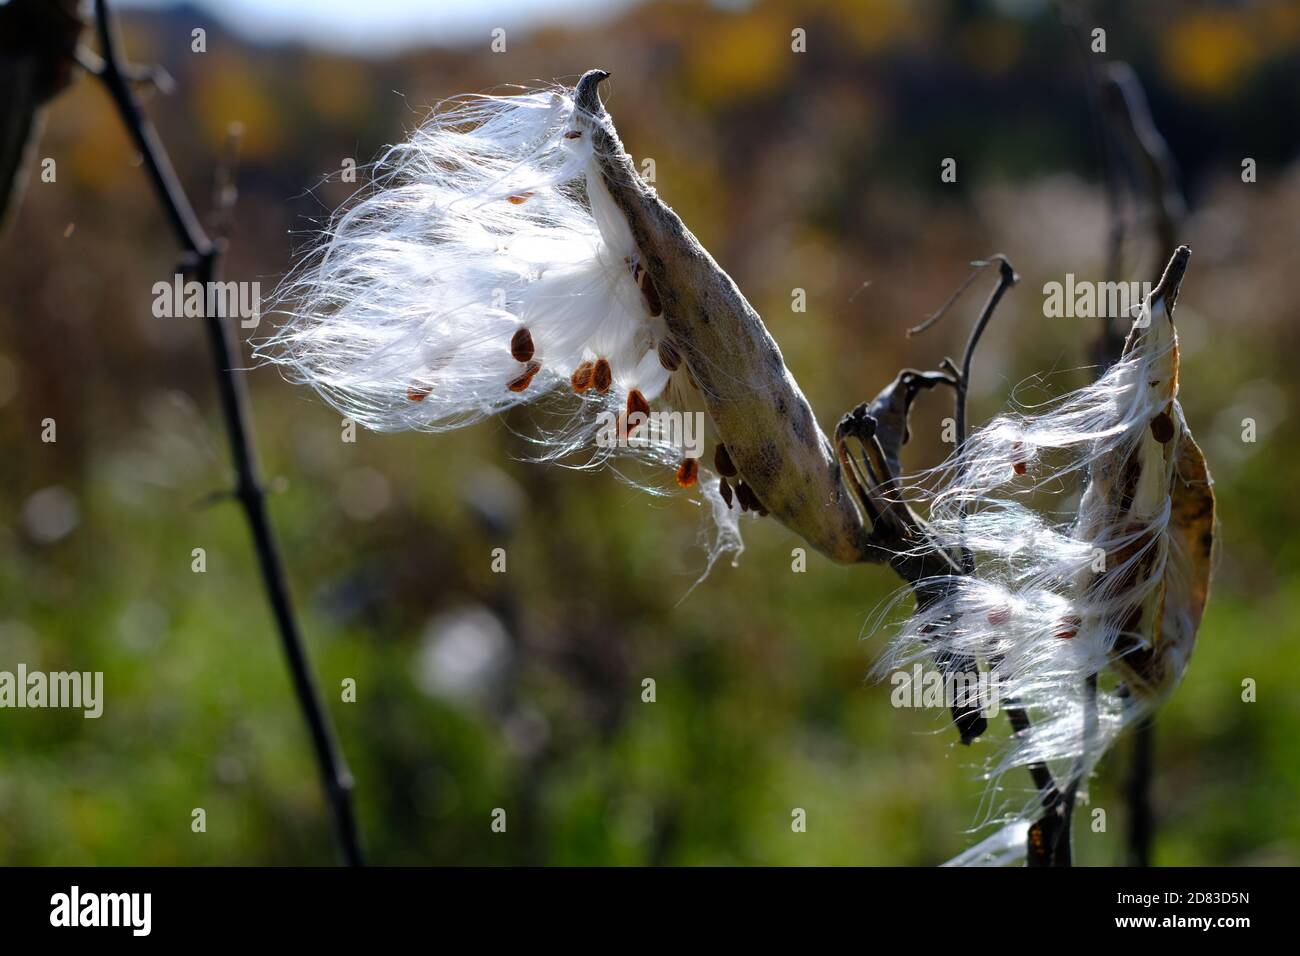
[520, 199]
[999, 615]
[724, 489]
[636, 405]
[650, 293]
[1069, 627]
[1018, 466]
[688, 472]
[521, 346]
[722, 462]
[636, 402]
[1162, 427]
[525, 378]
[418, 391]
[573, 134]
[582, 376]
[748, 500]
[669, 357]
[602, 377]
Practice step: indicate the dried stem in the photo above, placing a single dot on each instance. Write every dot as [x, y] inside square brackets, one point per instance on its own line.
[203, 260]
[1129, 122]
[1141, 821]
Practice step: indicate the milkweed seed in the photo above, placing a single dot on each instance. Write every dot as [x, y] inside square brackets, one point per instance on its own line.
[636, 402]
[748, 500]
[724, 489]
[418, 391]
[669, 357]
[1018, 466]
[521, 346]
[1162, 428]
[573, 134]
[688, 472]
[602, 377]
[636, 405]
[582, 376]
[1069, 627]
[525, 379]
[999, 615]
[520, 199]
[722, 462]
[650, 292]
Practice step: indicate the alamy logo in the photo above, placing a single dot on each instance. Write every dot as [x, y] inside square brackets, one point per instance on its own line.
[970, 690]
[638, 429]
[73, 689]
[134, 910]
[1093, 300]
[194, 300]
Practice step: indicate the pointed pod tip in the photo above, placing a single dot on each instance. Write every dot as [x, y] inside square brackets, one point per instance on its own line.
[585, 93]
[1172, 279]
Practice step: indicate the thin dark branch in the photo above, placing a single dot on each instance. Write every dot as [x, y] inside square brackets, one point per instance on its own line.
[925, 566]
[203, 262]
[961, 376]
[1006, 279]
[1137, 143]
[940, 312]
[1141, 821]
[1130, 123]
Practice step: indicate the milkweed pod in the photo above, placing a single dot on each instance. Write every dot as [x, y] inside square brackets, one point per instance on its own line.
[753, 400]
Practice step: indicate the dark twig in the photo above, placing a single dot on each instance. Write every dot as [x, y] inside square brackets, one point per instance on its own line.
[1141, 821]
[1006, 279]
[917, 558]
[202, 260]
[961, 377]
[1129, 117]
[1111, 339]
[1138, 144]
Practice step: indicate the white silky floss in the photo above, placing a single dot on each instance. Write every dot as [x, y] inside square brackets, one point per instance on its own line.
[487, 266]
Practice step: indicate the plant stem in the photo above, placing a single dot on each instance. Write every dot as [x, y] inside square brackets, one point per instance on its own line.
[202, 259]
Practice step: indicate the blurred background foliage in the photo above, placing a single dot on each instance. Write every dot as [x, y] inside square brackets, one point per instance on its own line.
[523, 690]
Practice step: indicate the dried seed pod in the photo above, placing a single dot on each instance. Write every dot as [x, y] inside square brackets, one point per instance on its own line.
[754, 402]
[521, 346]
[602, 377]
[582, 376]
[525, 378]
[688, 472]
[722, 462]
